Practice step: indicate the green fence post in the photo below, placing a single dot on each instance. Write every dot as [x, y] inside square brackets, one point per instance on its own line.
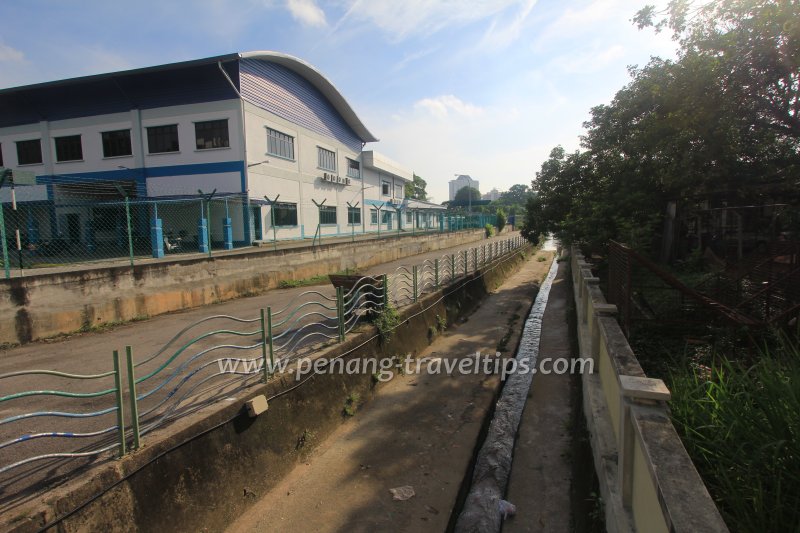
[130, 232]
[452, 267]
[385, 282]
[208, 225]
[414, 280]
[436, 274]
[266, 368]
[6, 264]
[466, 262]
[133, 399]
[475, 259]
[340, 312]
[120, 409]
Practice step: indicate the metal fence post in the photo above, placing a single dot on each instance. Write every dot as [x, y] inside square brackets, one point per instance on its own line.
[133, 399]
[340, 311]
[385, 282]
[130, 233]
[475, 258]
[436, 274]
[120, 409]
[414, 273]
[266, 368]
[452, 267]
[466, 261]
[6, 264]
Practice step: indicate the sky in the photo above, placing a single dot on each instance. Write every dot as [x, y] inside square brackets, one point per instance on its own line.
[479, 87]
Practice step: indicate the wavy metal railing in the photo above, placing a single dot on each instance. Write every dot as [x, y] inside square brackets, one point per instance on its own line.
[216, 356]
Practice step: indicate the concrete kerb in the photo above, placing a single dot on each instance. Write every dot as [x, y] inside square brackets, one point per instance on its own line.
[203, 448]
[629, 448]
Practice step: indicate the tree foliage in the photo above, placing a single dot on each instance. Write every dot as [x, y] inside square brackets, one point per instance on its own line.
[464, 194]
[416, 189]
[721, 121]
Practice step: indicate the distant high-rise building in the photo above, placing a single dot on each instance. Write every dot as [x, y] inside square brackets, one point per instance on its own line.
[492, 195]
[463, 180]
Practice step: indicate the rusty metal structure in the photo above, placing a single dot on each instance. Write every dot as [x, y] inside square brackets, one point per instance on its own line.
[761, 290]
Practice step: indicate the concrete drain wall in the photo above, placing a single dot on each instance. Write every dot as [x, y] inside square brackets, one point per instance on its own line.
[200, 474]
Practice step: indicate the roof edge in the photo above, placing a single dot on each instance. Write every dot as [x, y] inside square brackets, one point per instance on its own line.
[322, 84]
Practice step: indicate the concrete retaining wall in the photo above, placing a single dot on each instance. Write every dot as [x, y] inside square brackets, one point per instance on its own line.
[647, 480]
[200, 474]
[44, 305]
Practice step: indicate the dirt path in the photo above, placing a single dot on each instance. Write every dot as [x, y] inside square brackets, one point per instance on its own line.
[419, 431]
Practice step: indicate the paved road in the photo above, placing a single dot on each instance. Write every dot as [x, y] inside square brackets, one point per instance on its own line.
[91, 353]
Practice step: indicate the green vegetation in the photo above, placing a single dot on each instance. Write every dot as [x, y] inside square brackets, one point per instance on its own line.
[416, 189]
[489, 229]
[386, 322]
[721, 120]
[501, 220]
[351, 404]
[741, 426]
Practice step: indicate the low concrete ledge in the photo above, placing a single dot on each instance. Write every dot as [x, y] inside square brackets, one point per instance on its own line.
[39, 306]
[647, 480]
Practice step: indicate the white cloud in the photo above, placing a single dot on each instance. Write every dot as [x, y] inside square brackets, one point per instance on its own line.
[447, 105]
[10, 55]
[502, 33]
[592, 60]
[307, 12]
[402, 19]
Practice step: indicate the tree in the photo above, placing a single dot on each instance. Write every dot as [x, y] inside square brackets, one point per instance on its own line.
[416, 189]
[516, 195]
[720, 124]
[500, 222]
[464, 194]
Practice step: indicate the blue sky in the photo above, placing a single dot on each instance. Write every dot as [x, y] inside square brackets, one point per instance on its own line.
[479, 87]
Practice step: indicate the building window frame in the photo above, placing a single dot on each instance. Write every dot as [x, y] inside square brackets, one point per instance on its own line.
[353, 169]
[373, 217]
[27, 152]
[67, 150]
[326, 159]
[280, 144]
[353, 216]
[398, 190]
[218, 132]
[327, 215]
[160, 139]
[386, 188]
[115, 145]
[285, 215]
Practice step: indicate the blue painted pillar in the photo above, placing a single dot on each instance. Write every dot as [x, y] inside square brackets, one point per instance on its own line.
[157, 237]
[227, 233]
[202, 235]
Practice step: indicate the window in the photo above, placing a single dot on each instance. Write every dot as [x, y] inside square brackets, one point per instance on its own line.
[116, 143]
[29, 152]
[373, 216]
[326, 160]
[409, 217]
[386, 188]
[285, 214]
[279, 144]
[387, 216]
[327, 214]
[162, 139]
[354, 215]
[353, 168]
[69, 148]
[211, 134]
[398, 191]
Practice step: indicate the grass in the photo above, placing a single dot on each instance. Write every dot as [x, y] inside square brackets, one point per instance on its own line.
[386, 322]
[739, 422]
[351, 404]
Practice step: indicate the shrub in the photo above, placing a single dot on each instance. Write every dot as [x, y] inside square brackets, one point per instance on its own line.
[501, 220]
[489, 230]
